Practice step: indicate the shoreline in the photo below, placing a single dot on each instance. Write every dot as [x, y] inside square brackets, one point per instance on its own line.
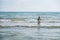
[30, 26]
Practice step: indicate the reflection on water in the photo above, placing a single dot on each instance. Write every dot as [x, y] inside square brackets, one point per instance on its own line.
[24, 33]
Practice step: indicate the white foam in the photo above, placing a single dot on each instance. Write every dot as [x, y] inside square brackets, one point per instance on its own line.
[31, 22]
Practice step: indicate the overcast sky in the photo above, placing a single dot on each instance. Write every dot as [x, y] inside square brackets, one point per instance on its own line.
[30, 5]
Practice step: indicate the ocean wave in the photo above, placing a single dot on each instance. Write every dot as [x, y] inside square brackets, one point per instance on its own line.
[30, 20]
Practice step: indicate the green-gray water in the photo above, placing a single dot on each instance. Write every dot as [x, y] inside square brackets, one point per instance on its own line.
[24, 33]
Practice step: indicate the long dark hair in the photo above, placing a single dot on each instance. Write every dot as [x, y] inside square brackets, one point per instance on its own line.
[38, 17]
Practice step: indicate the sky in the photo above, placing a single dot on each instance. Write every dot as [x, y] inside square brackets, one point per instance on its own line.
[30, 5]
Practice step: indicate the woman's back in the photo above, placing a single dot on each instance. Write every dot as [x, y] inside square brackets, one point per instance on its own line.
[38, 20]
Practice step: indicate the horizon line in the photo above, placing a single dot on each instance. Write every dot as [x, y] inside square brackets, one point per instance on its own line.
[25, 11]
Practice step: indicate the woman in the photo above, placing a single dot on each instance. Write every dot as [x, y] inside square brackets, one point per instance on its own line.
[38, 20]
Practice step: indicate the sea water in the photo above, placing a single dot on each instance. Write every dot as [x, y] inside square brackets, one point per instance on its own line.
[26, 33]
[30, 14]
[47, 18]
